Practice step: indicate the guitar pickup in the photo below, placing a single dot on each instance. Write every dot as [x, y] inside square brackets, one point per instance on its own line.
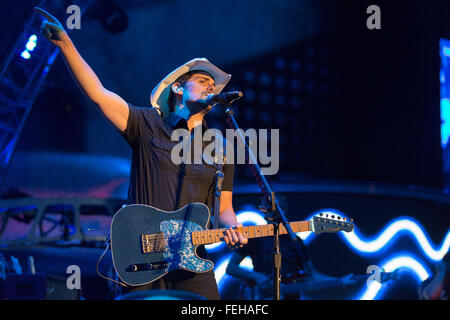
[146, 266]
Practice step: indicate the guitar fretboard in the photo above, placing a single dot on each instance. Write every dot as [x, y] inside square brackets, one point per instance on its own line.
[216, 235]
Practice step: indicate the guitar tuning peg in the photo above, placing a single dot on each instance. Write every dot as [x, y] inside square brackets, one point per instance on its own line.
[345, 219]
[320, 214]
[332, 216]
[339, 217]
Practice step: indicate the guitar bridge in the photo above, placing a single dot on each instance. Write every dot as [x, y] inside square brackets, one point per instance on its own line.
[155, 242]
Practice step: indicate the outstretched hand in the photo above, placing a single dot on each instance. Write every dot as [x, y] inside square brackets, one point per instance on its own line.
[52, 29]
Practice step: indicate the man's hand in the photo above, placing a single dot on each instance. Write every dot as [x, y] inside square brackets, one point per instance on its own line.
[233, 238]
[52, 29]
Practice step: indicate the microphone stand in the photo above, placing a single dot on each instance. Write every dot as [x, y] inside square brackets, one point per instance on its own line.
[274, 213]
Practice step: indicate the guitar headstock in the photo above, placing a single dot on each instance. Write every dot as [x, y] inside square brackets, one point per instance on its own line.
[325, 222]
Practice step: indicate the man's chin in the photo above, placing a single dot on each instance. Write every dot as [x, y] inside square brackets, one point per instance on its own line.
[199, 106]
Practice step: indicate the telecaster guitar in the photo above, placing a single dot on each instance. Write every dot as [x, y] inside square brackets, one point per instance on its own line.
[147, 243]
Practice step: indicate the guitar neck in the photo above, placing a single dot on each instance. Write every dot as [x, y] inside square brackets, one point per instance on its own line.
[216, 235]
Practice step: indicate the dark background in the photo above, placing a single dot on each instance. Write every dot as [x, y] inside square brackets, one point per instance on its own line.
[358, 110]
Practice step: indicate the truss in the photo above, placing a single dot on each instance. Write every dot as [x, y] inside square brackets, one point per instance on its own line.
[20, 82]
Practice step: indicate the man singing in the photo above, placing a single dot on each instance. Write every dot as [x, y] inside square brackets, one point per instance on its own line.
[178, 101]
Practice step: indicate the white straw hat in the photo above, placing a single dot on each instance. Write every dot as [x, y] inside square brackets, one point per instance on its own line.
[160, 93]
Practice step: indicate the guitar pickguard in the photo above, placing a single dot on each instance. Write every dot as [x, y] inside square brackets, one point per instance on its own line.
[180, 252]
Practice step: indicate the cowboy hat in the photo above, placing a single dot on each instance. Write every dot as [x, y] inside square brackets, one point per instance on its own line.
[160, 93]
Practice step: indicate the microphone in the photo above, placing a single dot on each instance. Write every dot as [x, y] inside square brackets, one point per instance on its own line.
[224, 97]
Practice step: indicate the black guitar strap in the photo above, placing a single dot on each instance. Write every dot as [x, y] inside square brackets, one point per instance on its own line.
[217, 192]
[219, 176]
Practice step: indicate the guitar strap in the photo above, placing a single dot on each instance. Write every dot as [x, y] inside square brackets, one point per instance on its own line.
[217, 192]
[219, 176]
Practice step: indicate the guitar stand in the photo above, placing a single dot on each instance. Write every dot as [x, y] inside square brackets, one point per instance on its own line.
[274, 214]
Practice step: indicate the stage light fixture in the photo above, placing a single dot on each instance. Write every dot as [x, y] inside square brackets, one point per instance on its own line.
[25, 54]
[446, 51]
[29, 47]
[445, 121]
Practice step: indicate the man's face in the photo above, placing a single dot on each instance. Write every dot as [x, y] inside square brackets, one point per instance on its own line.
[195, 91]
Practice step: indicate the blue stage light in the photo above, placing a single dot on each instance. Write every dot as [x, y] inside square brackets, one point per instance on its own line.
[445, 121]
[446, 51]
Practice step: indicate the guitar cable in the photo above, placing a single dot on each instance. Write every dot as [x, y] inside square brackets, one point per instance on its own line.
[108, 245]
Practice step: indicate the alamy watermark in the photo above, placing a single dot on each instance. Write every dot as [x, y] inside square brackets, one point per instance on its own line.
[74, 20]
[375, 274]
[220, 151]
[374, 20]
[74, 280]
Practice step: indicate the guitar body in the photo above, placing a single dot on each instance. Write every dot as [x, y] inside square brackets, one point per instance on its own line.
[171, 230]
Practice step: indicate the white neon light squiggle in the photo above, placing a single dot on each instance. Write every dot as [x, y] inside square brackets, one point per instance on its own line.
[377, 243]
[391, 231]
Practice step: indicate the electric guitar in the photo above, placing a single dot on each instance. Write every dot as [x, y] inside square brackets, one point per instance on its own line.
[147, 243]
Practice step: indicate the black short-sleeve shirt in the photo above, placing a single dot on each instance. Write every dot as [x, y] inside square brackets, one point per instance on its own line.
[154, 179]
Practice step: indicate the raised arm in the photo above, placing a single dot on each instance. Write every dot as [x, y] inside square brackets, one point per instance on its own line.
[111, 105]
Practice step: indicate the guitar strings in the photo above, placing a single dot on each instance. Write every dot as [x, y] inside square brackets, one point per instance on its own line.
[158, 239]
[218, 231]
